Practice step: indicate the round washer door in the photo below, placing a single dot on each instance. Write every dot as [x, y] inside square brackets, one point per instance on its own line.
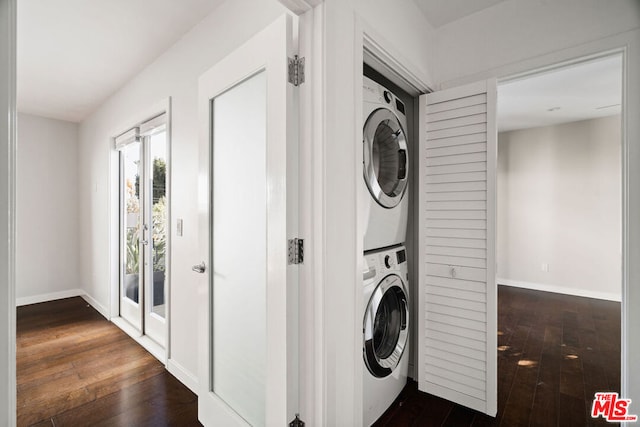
[386, 164]
[386, 326]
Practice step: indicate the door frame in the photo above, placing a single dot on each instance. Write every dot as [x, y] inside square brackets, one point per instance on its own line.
[414, 82]
[624, 181]
[113, 311]
[8, 215]
[627, 44]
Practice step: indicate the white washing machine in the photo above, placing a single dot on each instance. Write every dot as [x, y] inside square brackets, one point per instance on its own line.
[386, 167]
[385, 330]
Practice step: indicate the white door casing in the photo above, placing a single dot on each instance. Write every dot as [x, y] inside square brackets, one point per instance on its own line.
[262, 61]
[457, 322]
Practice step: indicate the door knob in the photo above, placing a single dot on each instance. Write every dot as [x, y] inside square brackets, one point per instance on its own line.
[200, 268]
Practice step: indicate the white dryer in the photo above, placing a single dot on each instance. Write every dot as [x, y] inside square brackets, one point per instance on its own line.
[385, 330]
[386, 167]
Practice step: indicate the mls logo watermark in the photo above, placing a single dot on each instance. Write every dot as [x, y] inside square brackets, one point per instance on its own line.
[613, 409]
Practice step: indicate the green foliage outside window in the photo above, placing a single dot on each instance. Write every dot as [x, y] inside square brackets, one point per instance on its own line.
[158, 220]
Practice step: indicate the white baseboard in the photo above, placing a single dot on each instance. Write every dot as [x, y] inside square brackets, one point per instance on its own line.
[35, 299]
[608, 296]
[184, 376]
[95, 304]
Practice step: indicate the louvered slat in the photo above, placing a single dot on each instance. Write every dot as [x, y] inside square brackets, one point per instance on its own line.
[457, 331]
[464, 284]
[435, 363]
[456, 177]
[455, 293]
[458, 196]
[454, 339]
[455, 104]
[479, 147]
[460, 252]
[473, 138]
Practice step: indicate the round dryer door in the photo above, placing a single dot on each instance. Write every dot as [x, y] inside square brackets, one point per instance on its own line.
[386, 326]
[385, 157]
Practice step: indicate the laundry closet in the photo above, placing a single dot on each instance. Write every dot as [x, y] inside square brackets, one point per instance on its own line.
[447, 341]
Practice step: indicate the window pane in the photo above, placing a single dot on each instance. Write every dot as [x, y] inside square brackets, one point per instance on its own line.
[158, 147]
[131, 190]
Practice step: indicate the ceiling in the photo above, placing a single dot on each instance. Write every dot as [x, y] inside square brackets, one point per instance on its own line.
[584, 91]
[73, 54]
[441, 12]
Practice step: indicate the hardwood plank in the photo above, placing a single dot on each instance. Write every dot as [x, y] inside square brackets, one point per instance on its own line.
[422, 410]
[573, 413]
[160, 391]
[75, 368]
[534, 361]
[459, 416]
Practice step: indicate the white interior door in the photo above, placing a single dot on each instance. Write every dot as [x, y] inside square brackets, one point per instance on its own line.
[457, 323]
[248, 203]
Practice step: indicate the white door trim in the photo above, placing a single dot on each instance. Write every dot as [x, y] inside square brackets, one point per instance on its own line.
[617, 45]
[7, 216]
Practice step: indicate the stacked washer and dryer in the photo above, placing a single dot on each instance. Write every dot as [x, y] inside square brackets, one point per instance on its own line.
[385, 276]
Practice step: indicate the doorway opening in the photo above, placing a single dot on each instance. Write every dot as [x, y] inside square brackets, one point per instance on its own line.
[559, 236]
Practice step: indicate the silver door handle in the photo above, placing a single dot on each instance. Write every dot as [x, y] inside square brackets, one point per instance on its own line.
[145, 242]
[200, 268]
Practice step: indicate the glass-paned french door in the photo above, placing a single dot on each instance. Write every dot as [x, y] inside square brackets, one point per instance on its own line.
[143, 229]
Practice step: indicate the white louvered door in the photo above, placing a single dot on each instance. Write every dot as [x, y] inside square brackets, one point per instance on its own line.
[457, 324]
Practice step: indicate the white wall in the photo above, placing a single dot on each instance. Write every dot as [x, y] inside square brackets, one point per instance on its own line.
[174, 74]
[47, 232]
[408, 37]
[560, 204]
[518, 30]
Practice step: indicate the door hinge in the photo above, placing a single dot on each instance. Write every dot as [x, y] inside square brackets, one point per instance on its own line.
[296, 251]
[296, 70]
[297, 422]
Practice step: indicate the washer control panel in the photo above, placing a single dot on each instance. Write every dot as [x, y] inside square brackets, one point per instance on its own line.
[377, 263]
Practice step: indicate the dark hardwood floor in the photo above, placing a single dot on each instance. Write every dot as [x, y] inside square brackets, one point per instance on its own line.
[554, 352]
[74, 368]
